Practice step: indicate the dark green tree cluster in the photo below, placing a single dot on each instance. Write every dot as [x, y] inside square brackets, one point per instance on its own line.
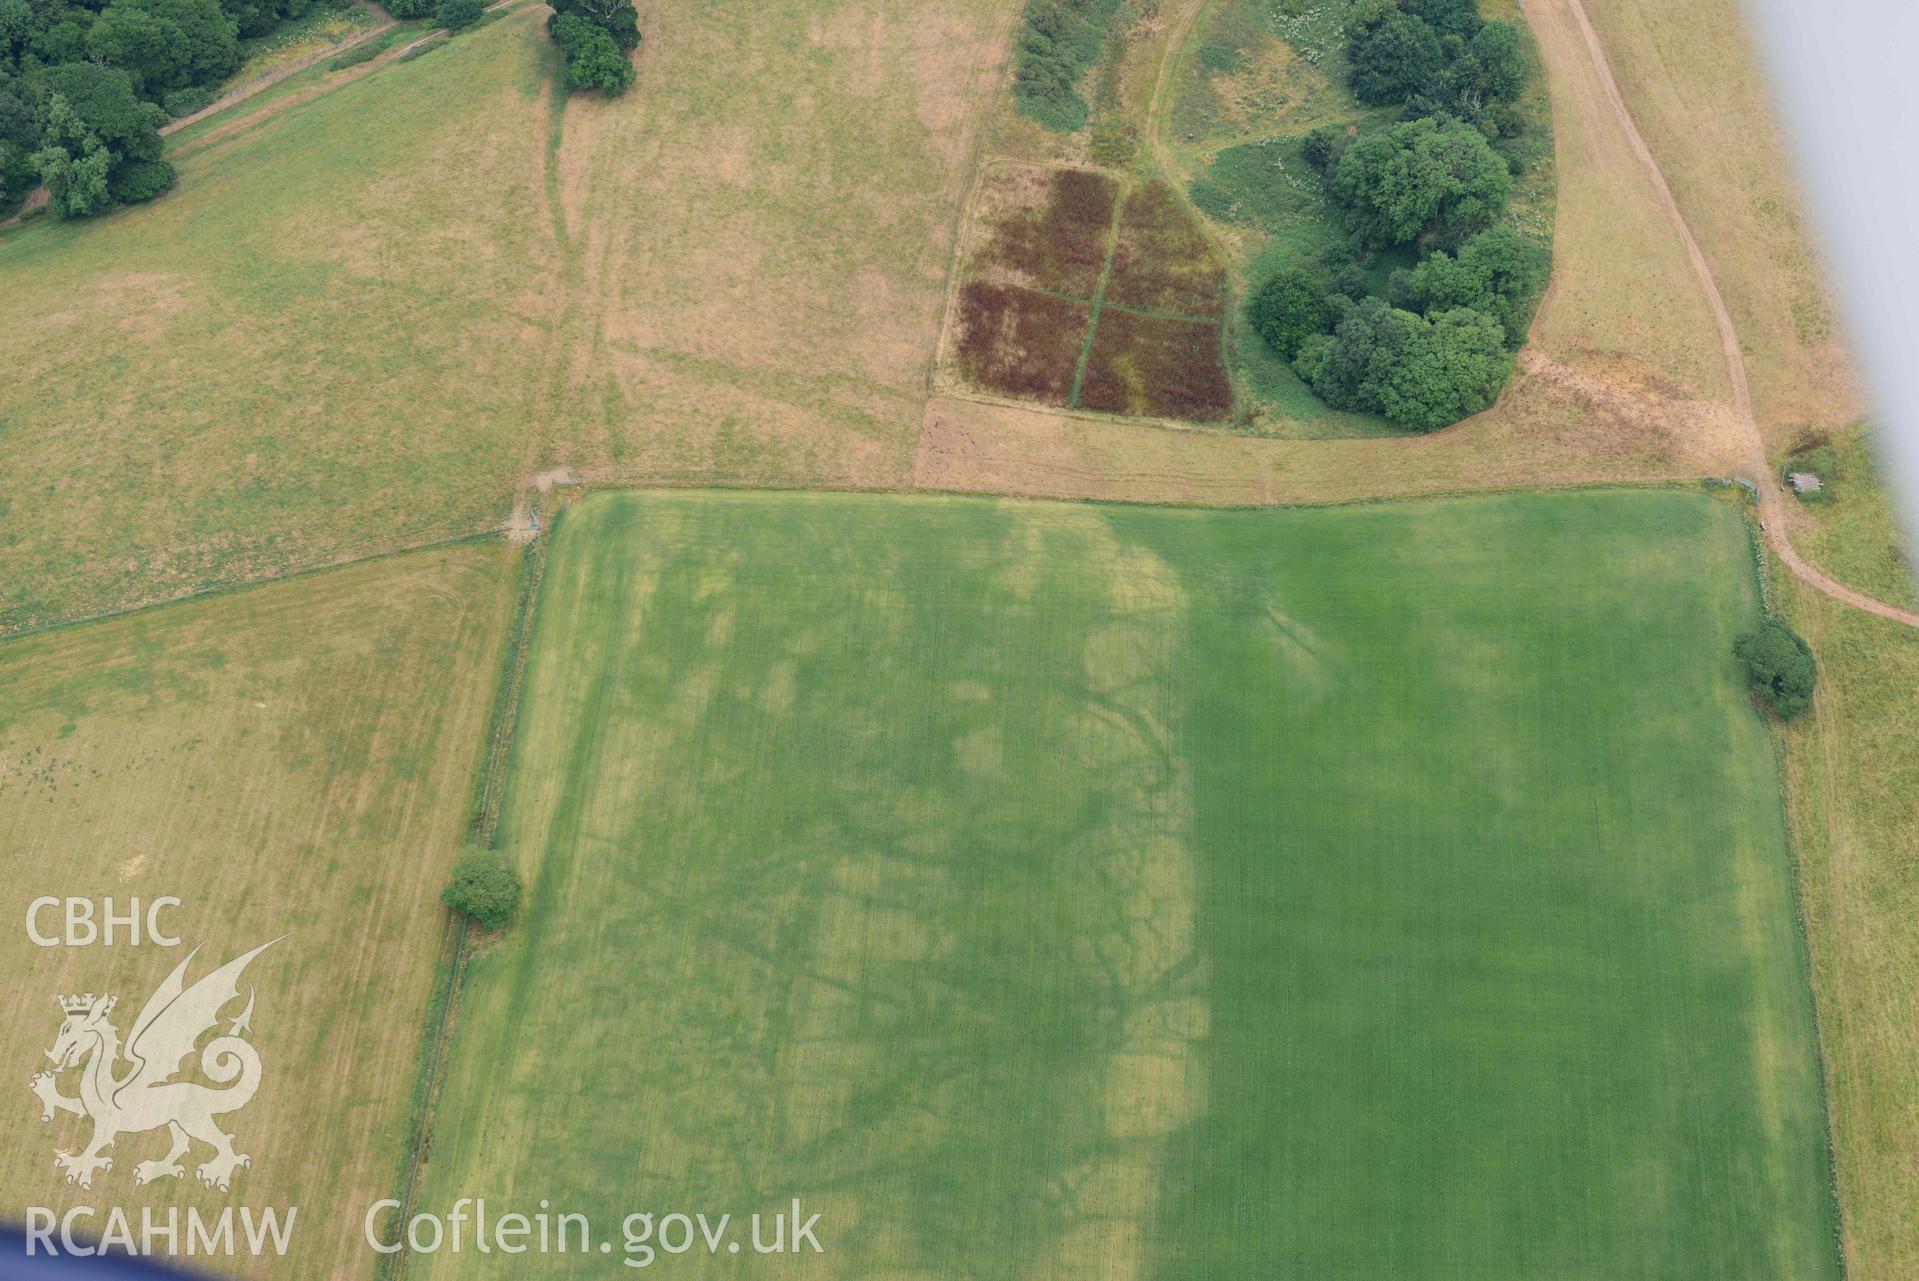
[1439, 55]
[1499, 272]
[485, 888]
[1438, 345]
[1780, 666]
[458, 15]
[1058, 41]
[96, 145]
[1419, 371]
[1419, 181]
[594, 37]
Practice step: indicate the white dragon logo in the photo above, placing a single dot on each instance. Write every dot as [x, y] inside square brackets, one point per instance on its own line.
[143, 1096]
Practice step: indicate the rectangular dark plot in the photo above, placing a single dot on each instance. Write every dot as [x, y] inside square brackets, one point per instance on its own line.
[1020, 343]
[1054, 230]
[1163, 262]
[1156, 368]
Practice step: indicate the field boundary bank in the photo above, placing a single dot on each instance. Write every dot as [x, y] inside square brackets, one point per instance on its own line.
[1705, 486]
[458, 949]
[1762, 565]
[427, 36]
[447, 977]
[506, 700]
[245, 584]
[904, 490]
[1771, 496]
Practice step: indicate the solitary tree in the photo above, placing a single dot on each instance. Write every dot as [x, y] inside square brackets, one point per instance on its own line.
[617, 18]
[593, 61]
[485, 888]
[1323, 145]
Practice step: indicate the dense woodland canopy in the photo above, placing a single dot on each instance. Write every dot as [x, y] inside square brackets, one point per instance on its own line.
[1436, 345]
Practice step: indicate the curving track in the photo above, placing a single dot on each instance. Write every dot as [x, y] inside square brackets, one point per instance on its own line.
[1772, 501]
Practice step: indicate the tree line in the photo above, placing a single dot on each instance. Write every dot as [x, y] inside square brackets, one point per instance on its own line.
[85, 85]
[1438, 343]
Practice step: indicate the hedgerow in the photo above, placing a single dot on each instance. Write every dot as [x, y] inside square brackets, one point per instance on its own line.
[1058, 41]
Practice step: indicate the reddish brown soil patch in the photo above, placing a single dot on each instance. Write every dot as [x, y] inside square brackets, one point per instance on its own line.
[1163, 262]
[1020, 343]
[1059, 242]
[1156, 368]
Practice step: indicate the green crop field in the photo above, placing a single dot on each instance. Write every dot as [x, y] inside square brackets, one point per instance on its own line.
[1053, 890]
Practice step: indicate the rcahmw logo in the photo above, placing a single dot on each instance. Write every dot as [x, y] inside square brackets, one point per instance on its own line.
[130, 1087]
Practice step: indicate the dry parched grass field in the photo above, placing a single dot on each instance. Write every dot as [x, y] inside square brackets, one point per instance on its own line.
[362, 322]
[293, 759]
[1691, 77]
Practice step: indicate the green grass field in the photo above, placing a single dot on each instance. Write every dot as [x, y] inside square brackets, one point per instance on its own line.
[1054, 890]
[1855, 808]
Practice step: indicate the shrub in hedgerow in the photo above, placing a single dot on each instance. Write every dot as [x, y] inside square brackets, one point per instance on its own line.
[1780, 666]
[485, 888]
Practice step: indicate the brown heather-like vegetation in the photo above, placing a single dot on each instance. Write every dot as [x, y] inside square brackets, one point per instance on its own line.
[1153, 291]
[1061, 244]
[1019, 342]
[1163, 262]
[1156, 367]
